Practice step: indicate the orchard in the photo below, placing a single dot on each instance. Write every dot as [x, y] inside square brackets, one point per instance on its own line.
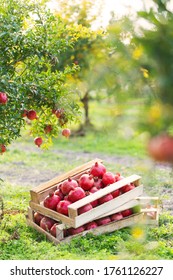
[72, 90]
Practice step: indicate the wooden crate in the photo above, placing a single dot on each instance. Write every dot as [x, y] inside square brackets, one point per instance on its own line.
[112, 226]
[149, 205]
[73, 219]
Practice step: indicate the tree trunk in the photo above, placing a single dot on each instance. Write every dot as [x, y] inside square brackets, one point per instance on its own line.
[85, 101]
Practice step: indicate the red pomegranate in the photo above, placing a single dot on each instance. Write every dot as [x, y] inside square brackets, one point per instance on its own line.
[91, 225]
[38, 141]
[2, 148]
[3, 98]
[85, 208]
[160, 148]
[46, 223]
[48, 128]
[105, 198]
[66, 132]
[73, 231]
[86, 182]
[38, 217]
[116, 193]
[76, 194]
[53, 229]
[68, 185]
[59, 193]
[98, 170]
[127, 188]
[116, 217]
[118, 177]
[103, 221]
[98, 183]
[62, 207]
[108, 178]
[31, 115]
[51, 201]
[127, 212]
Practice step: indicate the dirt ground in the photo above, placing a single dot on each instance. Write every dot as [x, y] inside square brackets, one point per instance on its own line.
[20, 174]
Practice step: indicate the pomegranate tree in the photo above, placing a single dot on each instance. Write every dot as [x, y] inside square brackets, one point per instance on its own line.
[2, 148]
[32, 81]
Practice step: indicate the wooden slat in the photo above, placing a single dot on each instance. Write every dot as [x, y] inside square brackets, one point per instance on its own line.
[51, 214]
[102, 192]
[129, 204]
[105, 208]
[131, 220]
[64, 176]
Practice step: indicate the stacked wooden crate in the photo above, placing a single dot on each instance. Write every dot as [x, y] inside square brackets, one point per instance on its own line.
[124, 201]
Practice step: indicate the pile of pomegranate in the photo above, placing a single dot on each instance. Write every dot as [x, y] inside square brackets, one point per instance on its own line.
[49, 224]
[71, 190]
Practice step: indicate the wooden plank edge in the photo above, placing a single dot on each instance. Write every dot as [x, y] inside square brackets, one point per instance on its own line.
[107, 207]
[51, 214]
[102, 192]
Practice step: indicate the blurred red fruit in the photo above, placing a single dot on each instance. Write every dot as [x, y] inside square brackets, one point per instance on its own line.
[66, 132]
[31, 115]
[160, 148]
[38, 141]
[2, 148]
[3, 98]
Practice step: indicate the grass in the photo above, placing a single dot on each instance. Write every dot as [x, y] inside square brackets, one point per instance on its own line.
[114, 138]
